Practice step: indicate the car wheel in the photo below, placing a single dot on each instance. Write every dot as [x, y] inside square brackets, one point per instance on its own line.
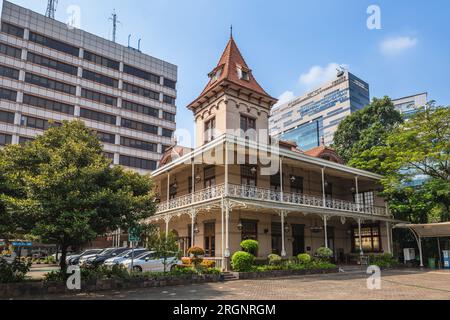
[173, 267]
[137, 269]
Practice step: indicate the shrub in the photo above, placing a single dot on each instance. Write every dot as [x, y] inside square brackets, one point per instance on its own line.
[242, 261]
[186, 261]
[274, 260]
[304, 258]
[324, 254]
[196, 251]
[250, 246]
[196, 254]
[208, 264]
[383, 261]
[13, 272]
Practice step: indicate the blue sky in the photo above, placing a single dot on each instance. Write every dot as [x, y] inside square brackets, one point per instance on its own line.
[291, 46]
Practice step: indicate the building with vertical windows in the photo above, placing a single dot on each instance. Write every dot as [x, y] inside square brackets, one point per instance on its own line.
[313, 118]
[306, 200]
[50, 73]
[409, 105]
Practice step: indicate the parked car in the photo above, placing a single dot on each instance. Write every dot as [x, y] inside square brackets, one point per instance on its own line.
[124, 256]
[75, 259]
[83, 259]
[149, 262]
[103, 256]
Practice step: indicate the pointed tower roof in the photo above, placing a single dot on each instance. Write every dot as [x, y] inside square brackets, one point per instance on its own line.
[227, 72]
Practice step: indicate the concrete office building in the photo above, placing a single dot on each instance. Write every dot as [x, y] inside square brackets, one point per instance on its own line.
[50, 73]
[315, 116]
[408, 106]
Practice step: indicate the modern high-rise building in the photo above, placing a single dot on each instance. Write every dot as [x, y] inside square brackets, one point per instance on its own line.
[314, 117]
[409, 105]
[50, 72]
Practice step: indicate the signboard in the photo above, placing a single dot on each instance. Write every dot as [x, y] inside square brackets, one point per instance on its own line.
[134, 234]
[22, 244]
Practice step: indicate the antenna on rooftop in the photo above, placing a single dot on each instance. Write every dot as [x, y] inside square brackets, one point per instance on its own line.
[114, 20]
[51, 9]
[341, 70]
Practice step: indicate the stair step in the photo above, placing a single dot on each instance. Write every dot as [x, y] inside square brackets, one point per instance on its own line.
[228, 276]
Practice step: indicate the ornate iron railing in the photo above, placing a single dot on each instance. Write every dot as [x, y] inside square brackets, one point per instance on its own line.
[262, 194]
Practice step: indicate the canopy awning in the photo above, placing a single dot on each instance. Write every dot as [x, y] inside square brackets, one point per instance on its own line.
[432, 230]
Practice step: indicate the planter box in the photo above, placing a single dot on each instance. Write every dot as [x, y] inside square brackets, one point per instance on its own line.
[30, 288]
[282, 273]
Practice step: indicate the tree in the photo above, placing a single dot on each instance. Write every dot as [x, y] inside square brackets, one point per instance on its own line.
[419, 148]
[65, 190]
[365, 129]
[164, 246]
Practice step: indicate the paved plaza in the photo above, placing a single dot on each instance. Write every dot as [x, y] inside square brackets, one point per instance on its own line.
[396, 285]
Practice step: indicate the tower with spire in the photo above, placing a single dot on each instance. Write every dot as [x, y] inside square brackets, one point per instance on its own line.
[232, 93]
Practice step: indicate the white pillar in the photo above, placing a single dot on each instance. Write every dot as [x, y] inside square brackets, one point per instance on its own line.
[193, 179]
[325, 228]
[167, 226]
[324, 197]
[192, 227]
[168, 187]
[357, 193]
[226, 168]
[281, 181]
[360, 237]
[420, 252]
[227, 230]
[222, 231]
[283, 248]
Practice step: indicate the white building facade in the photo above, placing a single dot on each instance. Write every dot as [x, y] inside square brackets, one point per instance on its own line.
[50, 73]
[312, 119]
[409, 105]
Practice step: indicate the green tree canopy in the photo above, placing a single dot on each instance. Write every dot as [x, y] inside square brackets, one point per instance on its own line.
[420, 148]
[365, 129]
[62, 188]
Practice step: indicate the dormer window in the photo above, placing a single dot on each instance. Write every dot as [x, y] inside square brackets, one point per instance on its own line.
[243, 74]
[216, 75]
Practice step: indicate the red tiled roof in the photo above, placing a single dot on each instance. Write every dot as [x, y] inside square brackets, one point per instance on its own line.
[322, 151]
[173, 153]
[229, 62]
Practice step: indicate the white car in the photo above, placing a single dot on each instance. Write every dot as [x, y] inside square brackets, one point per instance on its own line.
[148, 262]
[124, 256]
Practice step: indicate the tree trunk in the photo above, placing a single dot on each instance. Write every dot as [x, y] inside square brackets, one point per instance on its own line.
[62, 262]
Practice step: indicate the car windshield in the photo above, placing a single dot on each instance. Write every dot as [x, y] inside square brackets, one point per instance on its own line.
[148, 256]
[106, 252]
[137, 253]
[87, 252]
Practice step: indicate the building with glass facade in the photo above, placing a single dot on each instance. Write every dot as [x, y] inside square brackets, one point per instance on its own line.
[408, 106]
[50, 73]
[315, 116]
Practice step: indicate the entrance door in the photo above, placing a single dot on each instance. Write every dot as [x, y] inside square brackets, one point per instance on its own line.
[298, 236]
[210, 239]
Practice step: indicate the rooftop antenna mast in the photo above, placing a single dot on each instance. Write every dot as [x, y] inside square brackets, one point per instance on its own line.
[51, 9]
[115, 22]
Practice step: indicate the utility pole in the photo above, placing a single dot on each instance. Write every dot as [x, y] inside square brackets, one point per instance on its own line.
[115, 22]
[51, 9]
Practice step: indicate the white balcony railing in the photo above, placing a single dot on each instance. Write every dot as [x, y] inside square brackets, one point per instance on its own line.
[261, 194]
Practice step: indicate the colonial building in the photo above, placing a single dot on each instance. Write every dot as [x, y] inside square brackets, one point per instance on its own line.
[238, 184]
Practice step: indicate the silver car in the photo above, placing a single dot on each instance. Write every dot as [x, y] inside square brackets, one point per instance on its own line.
[124, 256]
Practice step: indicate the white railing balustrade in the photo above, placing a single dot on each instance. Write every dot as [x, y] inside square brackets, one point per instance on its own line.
[262, 194]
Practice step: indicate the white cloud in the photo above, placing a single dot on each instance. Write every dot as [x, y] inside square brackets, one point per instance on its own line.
[285, 97]
[394, 46]
[318, 75]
